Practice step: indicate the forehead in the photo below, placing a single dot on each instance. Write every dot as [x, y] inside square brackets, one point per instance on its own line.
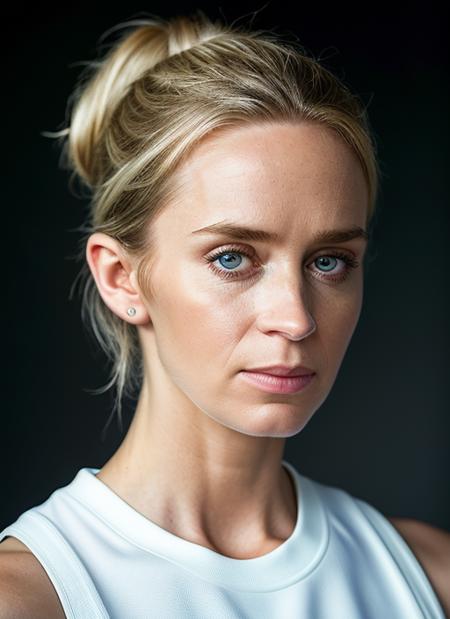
[273, 174]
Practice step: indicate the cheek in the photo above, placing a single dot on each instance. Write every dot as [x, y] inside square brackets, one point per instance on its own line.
[199, 322]
[337, 322]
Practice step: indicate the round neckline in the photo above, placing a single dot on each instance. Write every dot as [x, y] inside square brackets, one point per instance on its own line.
[292, 560]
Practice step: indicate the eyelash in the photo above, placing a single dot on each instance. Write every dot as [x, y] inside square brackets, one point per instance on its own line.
[350, 263]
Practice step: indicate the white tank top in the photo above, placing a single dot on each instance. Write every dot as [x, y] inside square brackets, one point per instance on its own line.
[344, 560]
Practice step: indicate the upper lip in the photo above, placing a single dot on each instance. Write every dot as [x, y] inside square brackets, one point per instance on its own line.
[283, 370]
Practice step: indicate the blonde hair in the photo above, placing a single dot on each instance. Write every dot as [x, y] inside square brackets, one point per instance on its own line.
[137, 113]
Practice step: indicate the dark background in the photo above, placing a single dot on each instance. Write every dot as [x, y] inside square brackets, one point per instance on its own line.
[383, 432]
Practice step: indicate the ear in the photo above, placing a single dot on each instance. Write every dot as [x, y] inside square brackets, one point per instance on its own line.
[115, 277]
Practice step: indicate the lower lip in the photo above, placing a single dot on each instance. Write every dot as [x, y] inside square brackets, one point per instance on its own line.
[278, 384]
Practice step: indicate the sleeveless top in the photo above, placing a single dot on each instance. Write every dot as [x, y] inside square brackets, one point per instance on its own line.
[344, 560]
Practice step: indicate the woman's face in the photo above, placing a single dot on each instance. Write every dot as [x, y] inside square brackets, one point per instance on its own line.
[290, 299]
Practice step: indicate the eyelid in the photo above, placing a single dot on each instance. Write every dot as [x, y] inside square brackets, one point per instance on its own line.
[248, 250]
[239, 247]
[345, 255]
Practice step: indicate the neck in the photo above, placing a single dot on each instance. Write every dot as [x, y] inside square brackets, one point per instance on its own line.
[187, 475]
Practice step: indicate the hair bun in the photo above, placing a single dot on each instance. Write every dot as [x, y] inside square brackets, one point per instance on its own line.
[104, 83]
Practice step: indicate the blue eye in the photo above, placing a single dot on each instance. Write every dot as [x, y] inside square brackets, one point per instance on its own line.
[231, 258]
[327, 261]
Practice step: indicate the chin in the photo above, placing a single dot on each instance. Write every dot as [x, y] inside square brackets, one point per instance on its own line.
[277, 419]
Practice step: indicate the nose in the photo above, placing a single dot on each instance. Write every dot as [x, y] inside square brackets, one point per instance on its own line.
[286, 312]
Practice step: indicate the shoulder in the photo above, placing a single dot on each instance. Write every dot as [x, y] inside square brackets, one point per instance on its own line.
[25, 588]
[12, 543]
[431, 546]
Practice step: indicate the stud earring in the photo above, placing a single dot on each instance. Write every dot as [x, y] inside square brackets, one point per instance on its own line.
[131, 311]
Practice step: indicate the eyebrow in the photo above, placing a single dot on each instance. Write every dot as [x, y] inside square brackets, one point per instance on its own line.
[243, 233]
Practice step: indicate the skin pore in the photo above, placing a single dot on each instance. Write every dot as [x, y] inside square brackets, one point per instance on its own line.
[202, 456]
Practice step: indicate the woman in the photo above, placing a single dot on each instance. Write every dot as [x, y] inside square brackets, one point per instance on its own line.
[234, 183]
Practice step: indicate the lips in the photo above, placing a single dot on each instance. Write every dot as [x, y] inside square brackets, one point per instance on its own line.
[283, 370]
[278, 384]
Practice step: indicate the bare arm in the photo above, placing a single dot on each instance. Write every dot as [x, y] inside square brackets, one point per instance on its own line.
[25, 589]
[431, 546]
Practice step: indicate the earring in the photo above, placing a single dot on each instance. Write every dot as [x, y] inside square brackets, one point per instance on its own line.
[131, 311]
